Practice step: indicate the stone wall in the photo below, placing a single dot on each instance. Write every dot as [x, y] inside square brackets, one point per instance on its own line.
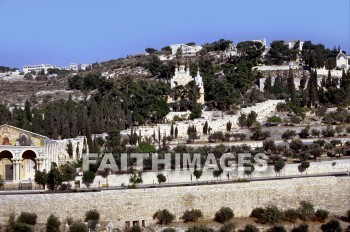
[216, 121]
[329, 193]
[331, 166]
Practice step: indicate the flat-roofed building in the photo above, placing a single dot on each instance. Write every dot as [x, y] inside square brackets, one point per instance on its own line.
[38, 68]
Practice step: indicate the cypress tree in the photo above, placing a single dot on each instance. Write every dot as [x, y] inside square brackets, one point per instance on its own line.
[172, 130]
[176, 132]
[291, 87]
[205, 128]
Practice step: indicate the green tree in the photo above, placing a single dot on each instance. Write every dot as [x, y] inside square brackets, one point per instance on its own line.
[146, 147]
[197, 173]
[217, 173]
[150, 50]
[92, 217]
[291, 88]
[78, 226]
[321, 215]
[205, 128]
[176, 132]
[291, 215]
[164, 217]
[192, 215]
[136, 178]
[228, 227]
[301, 228]
[225, 214]
[172, 130]
[304, 165]
[22, 227]
[332, 226]
[274, 119]
[228, 126]
[27, 218]
[242, 120]
[251, 118]
[250, 228]
[306, 210]
[277, 228]
[161, 178]
[2, 182]
[248, 169]
[279, 165]
[88, 178]
[69, 149]
[200, 228]
[54, 177]
[68, 172]
[279, 52]
[53, 224]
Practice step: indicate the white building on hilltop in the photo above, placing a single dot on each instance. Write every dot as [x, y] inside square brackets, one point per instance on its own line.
[38, 68]
[186, 49]
[343, 61]
[263, 41]
[292, 43]
[182, 77]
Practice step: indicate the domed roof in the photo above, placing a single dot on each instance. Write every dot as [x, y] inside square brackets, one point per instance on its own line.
[181, 61]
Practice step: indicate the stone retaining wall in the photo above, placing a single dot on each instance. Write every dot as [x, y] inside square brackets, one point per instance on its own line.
[329, 193]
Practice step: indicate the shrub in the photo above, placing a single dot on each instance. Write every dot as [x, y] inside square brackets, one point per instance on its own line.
[257, 212]
[277, 228]
[288, 134]
[201, 228]
[22, 227]
[191, 215]
[224, 214]
[306, 210]
[88, 178]
[348, 215]
[250, 228]
[269, 215]
[169, 230]
[27, 218]
[321, 215]
[164, 216]
[92, 215]
[301, 228]
[272, 215]
[78, 226]
[274, 119]
[53, 224]
[331, 226]
[135, 228]
[228, 227]
[291, 215]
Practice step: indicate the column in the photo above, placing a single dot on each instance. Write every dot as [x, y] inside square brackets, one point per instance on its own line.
[14, 168]
[19, 169]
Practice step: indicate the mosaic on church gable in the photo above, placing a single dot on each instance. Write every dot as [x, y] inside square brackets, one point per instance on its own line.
[10, 136]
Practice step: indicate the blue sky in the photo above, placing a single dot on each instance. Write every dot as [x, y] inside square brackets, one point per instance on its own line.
[64, 31]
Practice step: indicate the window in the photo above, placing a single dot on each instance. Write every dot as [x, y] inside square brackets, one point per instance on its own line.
[30, 165]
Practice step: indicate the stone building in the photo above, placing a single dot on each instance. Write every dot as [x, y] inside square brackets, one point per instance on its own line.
[23, 152]
[343, 61]
[182, 77]
[185, 49]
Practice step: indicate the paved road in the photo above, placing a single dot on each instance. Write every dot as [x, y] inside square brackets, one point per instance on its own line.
[194, 183]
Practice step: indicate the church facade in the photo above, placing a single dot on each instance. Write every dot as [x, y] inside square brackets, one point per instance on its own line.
[182, 77]
[23, 152]
[343, 61]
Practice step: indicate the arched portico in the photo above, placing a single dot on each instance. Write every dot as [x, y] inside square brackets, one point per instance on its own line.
[28, 165]
[6, 165]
